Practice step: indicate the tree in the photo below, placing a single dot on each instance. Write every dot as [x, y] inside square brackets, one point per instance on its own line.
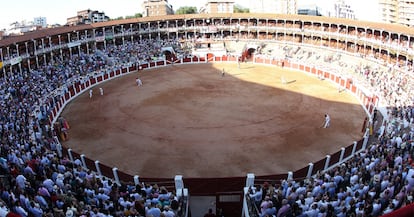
[239, 9]
[186, 10]
[118, 18]
[137, 15]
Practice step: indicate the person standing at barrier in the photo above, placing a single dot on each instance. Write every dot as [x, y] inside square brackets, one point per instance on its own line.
[90, 93]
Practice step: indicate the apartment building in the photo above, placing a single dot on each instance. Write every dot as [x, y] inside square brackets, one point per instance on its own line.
[217, 6]
[156, 8]
[87, 16]
[343, 10]
[273, 6]
[397, 11]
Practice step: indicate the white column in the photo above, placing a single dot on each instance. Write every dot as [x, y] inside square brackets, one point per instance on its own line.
[341, 158]
[310, 170]
[83, 160]
[116, 177]
[366, 137]
[136, 179]
[179, 184]
[70, 155]
[250, 179]
[98, 168]
[328, 158]
[290, 176]
[354, 147]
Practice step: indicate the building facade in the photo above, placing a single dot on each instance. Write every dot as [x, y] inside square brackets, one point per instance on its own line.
[273, 6]
[87, 16]
[156, 8]
[40, 21]
[343, 10]
[397, 11]
[218, 6]
[311, 10]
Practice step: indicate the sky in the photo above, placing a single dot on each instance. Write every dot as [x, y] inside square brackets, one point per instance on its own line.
[56, 12]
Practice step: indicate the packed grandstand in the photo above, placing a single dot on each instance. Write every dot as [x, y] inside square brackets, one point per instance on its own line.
[43, 69]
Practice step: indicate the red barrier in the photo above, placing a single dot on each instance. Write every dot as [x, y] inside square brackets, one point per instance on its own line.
[160, 63]
[67, 96]
[77, 87]
[313, 71]
[92, 81]
[72, 91]
[232, 58]
[353, 89]
[407, 211]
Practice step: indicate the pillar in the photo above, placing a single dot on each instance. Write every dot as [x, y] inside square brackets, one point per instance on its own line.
[328, 159]
[98, 168]
[116, 177]
[310, 170]
[250, 179]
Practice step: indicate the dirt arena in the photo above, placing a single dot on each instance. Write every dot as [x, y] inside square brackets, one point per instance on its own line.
[192, 121]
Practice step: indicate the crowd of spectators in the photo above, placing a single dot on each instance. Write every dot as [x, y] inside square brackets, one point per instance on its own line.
[374, 182]
[35, 181]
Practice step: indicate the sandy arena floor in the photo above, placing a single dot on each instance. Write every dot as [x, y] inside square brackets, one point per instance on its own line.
[189, 120]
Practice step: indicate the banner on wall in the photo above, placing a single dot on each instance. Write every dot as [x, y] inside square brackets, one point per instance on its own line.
[74, 44]
[15, 61]
[99, 38]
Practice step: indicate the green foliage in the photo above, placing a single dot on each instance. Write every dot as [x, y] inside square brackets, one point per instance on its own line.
[118, 18]
[186, 10]
[137, 15]
[239, 9]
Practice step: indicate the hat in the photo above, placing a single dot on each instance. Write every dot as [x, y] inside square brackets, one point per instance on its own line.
[69, 213]
[377, 178]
